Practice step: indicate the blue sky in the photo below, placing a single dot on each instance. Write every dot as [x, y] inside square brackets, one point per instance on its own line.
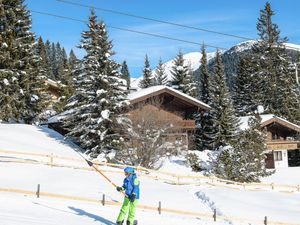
[236, 17]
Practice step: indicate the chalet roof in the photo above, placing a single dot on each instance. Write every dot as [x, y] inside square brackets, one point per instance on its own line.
[149, 92]
[267, 119]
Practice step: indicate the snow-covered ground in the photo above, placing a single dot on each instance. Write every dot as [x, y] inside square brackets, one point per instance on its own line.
[18, 208]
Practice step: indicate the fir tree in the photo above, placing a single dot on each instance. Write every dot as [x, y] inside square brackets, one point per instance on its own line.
[72, 60]
[41, 51]
[189, 83]
[50, 74]
[225, 123]
[204, 120]
[271, 73]
[125, 74]
[179, 72]
[160, 74]
[245, 161]
[53, 60]
[245, 100]
[21, 74]
[147, 75]
[204, 83]
[66, 81]
[94, 121]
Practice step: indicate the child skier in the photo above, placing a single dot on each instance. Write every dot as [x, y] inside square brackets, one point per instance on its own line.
[131, 186]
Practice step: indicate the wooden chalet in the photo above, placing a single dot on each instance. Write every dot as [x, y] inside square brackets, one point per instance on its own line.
[283, 141]
[168, 108]
[54, 89]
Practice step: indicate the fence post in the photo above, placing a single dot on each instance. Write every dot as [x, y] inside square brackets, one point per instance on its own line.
[298, 187]
[272, 185]
[159, 207]
[38, 191]
[178, 180]
[103, 199]
[266, 220]
[215, 215]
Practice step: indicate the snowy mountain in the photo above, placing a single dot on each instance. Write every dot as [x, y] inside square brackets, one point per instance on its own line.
[192, 59]
[230, 59]
[20, 174]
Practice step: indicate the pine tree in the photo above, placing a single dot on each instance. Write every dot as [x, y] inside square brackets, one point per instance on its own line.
[245, 100]
[245, 161]
[147, 80]
[41, 51]
[160, 74]
[204, 120]
[72, 60]
[270, 72]
[125, 74]
[21, 75]
[189, 84]
[204, 83]
[49, 69]
[66, 81]
[94, 121]
[179, 72]
[225, 123]
[53, 60]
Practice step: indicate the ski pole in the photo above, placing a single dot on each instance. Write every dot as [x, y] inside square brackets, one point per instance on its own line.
[100, 172]
[95, 168]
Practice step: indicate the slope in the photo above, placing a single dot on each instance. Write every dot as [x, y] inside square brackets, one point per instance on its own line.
[25, 209]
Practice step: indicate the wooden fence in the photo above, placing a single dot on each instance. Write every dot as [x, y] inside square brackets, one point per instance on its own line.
[171, 178]
[159, 209]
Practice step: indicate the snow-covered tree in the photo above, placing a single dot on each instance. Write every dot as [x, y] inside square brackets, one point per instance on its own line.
[189, 84]
[179, 73]
[225, 122]
[244, 161]
[49, 69]
[94, 120]
[65, 80]
[21, 75]
[245, 100]
[72, 60]
[270, 73]
[125, 74]
[147, 80]
[204, 120]
[160, 74]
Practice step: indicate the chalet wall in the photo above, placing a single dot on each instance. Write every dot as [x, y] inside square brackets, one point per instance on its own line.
[155, 112]
[181, 130]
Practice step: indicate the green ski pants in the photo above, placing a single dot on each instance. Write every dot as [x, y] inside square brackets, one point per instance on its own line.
[129, 207]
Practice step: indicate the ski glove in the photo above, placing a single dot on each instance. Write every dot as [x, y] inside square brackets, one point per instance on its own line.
[132, 197]
[119, 189]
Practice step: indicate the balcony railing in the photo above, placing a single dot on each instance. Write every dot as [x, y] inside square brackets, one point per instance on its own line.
[282, 144]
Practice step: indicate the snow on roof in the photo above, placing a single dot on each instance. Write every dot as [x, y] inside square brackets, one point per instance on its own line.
[147, 91]
[264, 117]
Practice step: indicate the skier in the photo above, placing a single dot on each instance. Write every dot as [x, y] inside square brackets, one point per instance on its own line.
[131, 186]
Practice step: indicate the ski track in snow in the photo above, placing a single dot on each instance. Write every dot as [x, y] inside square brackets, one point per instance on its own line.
[210, 204]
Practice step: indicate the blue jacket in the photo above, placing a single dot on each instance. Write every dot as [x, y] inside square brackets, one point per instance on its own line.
[132, 185]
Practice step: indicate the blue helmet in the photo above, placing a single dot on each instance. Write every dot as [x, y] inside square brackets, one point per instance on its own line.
[129, 170]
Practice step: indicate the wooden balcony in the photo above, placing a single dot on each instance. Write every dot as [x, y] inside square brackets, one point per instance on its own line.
[282, 145]
[184, 124]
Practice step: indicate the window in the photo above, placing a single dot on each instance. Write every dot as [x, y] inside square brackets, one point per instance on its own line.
[275, 136]
[278, 156]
